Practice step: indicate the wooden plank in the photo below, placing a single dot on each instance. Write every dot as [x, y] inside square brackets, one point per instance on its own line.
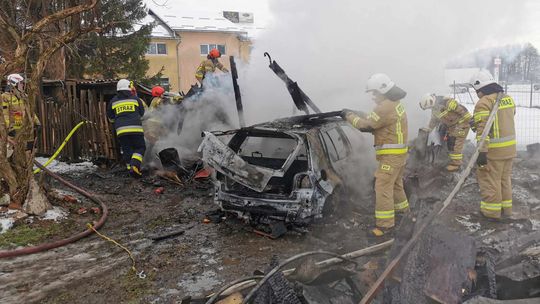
[103, 124]
[80, 107]
[100, 135]
[92, 117]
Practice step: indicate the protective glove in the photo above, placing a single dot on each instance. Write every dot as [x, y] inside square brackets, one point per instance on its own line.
[344, 113]
[368, 130]
[482, 159]
[472, 125]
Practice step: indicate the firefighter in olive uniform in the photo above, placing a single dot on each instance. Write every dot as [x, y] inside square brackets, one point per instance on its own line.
[456, 118]
[125, 111]
[499, 148]
[388, 123]
[209, 65]
[14, 110]
[157, 94]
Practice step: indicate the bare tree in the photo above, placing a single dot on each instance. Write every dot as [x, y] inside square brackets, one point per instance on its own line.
[34, 31]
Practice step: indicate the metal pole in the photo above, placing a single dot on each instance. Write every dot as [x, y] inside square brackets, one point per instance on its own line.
[237, 94]
[531, 98]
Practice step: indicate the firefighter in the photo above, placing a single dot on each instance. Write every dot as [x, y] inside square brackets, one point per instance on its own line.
[125, 112]
[388, 123]
[456, 118]
[499, 148]
[14, 110]
[209, 65]
[157, 94]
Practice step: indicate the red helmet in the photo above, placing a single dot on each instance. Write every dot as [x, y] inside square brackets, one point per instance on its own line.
[214, 53]
[157, 91]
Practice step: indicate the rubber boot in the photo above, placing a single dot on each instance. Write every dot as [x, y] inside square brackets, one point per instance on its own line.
[452, 168]
[379, 231]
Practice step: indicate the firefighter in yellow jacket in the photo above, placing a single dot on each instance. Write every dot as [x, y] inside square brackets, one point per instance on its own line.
[456, 118]
[388, 123]
[14, 110]
[499, 149]
[209, 65]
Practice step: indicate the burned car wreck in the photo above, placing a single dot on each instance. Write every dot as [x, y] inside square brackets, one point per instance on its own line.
[285, 170]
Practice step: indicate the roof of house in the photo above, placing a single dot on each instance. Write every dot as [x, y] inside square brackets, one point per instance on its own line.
[172, 17]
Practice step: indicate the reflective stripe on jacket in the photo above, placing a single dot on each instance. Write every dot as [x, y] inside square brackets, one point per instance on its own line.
[14, 111]
[126, 115]
[501, 140]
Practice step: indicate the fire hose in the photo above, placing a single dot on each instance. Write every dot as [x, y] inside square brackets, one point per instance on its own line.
[71, 239]
[57, 152]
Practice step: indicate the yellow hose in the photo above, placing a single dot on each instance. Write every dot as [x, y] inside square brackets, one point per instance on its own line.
[68, 137]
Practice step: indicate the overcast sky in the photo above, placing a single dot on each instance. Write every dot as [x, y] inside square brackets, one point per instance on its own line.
[264, 17]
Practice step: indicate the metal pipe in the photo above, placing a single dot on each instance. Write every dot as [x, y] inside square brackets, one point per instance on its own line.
[179, 39]
[332, 261]
[71, 239]
[251, 294]
[233, 283]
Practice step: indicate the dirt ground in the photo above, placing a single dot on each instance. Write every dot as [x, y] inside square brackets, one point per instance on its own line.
[206, 256]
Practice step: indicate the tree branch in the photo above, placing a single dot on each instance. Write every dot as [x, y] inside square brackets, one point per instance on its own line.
[58, 16]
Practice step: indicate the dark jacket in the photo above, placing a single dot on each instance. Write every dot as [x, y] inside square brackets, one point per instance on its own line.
[125, 112]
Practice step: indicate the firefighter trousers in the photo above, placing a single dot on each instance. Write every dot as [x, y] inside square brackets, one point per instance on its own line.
[456, 147]
[495, 184]
[389, 193]
[133, 148]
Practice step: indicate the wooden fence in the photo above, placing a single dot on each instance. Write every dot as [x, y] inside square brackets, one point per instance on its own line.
[65, 104]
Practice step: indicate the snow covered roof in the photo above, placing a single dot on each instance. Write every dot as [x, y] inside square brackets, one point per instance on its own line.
[177, 18]
[161, 30]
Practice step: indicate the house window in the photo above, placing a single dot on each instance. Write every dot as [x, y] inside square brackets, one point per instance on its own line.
[155, 48]
[206, 48]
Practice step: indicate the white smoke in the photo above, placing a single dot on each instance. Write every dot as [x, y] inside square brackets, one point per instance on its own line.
[331, 49]
[213, 109]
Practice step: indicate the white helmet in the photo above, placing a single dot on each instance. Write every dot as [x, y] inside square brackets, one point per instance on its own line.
[481, 79]
[123, 85]
[14, 79]
[380, 83]
[428, 101]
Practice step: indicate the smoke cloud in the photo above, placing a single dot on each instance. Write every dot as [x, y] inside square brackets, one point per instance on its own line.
[181, 127]
[331, 49]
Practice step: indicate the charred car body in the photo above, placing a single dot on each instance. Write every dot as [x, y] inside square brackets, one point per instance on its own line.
[285, 170]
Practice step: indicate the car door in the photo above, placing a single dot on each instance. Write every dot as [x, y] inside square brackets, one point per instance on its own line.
[336, 145]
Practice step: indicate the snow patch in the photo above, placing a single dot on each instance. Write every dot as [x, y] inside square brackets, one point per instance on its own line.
[6, 224]
[198, 283]
[535, 224]
[63, 167]
[55, 214]
[465, 220]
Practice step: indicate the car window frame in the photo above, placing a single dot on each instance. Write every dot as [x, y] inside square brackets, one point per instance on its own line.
[344, 138]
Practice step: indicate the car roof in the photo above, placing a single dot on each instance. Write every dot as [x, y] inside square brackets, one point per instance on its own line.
[296, 124]
[301, 122]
